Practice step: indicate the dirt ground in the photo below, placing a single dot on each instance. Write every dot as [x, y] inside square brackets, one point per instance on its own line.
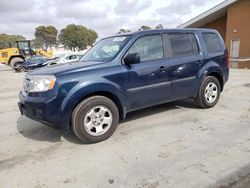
[171, 145]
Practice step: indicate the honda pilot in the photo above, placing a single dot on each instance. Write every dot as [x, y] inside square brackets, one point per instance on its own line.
[124, 73]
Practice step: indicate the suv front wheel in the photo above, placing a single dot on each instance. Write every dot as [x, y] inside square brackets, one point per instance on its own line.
[209, 92]
[95, 119]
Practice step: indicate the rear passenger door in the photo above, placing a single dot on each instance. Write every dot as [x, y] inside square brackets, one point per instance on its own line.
[185, 61]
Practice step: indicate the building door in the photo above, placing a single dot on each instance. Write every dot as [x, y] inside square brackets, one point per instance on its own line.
[235, 48]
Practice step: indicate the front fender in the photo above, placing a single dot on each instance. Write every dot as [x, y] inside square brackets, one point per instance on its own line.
[83, 89]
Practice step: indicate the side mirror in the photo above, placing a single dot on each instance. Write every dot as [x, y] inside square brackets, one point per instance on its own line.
[132, 59]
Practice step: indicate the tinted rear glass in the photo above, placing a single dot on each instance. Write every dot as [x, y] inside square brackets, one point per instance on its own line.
[183, 44]
[212, 42]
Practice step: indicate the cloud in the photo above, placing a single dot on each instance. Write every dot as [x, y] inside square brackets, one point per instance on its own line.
[178, 9]
[14, 6]
[106, 16]
[82, 10]
[128, 7]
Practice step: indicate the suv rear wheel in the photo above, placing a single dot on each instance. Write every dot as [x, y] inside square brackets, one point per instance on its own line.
[209, 92]
[95, 119]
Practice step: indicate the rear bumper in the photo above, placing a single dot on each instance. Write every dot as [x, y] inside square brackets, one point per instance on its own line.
[40, 109]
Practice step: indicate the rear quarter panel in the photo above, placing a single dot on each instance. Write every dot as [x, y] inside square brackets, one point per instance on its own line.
[213, 62]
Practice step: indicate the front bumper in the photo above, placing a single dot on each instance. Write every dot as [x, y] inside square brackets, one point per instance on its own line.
[42, 109]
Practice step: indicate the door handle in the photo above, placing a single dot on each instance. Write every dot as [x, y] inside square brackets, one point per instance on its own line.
[162, 68]
[199, 61]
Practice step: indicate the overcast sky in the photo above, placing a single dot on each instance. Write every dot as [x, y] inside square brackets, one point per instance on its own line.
[104, 16]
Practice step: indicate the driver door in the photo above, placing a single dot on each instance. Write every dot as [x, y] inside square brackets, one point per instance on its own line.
[148, 82]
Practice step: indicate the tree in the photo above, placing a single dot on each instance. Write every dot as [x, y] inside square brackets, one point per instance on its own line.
[46, 35]
[144, 27]
[123, 31]
[7, 41]
[92, 36]
[159, 26]
[77, 37]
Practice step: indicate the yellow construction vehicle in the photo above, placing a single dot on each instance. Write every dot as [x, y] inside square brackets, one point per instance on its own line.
[23, 51]
[47, 53]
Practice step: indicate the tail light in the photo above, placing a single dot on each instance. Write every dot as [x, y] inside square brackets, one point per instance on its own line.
[227, 59]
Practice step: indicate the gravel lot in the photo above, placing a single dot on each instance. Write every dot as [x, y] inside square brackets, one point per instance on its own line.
[171, 145]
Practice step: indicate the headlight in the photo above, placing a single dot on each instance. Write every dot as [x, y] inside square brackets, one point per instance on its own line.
[39, 83]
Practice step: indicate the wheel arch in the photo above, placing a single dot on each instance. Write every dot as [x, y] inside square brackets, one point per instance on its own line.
[211, 69]
[73, 99]
[14, 56]
[219, 77]
[110, 96]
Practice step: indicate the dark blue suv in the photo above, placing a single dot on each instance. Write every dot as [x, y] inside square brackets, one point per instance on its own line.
[124, 73]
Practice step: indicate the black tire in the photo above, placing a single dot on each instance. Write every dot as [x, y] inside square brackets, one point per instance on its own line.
[14, 60]
[80, 112]
[21, 69]
[201, 99]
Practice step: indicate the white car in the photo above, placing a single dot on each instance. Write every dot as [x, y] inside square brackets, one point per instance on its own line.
[65, 58]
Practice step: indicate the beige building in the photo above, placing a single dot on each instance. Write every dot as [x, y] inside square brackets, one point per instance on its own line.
[232, 19]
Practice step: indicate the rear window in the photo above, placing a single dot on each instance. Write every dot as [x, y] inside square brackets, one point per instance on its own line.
[212, 42]
[183, 44]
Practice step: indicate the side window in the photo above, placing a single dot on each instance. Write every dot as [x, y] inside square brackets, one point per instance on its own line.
[183, 44]
[148, 47]
[212, 42]
[73, 57]
[35, 60]
[70, 57]
[194, 43]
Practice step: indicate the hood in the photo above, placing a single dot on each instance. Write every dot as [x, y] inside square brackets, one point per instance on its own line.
[58, 69]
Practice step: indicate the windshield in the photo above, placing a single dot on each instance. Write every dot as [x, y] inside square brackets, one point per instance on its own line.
[106, 49]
